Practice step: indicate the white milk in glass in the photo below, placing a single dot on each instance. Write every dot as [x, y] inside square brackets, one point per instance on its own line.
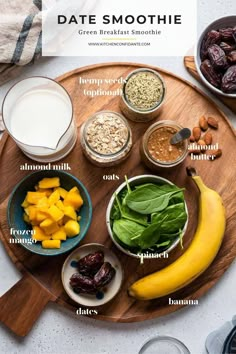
[38, 115]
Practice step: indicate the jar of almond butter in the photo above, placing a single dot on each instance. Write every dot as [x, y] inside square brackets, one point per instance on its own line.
[157, 151]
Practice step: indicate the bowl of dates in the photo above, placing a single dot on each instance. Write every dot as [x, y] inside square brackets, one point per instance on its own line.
[92, 275]
[215, 56]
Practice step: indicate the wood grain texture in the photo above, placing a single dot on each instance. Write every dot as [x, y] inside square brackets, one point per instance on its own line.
[21, 306]
[191, 67]
[184, 104]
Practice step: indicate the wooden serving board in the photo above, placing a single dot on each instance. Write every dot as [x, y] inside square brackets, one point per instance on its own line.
[41, 282]
[189, 63]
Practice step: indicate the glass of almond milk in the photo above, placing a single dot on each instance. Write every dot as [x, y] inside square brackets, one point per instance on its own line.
[38, 114]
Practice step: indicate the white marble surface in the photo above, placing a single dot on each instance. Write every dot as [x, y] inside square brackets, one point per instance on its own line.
[57, 331]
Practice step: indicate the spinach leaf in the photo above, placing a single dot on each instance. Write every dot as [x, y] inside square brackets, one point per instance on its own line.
[132, 215]
[125, 230]
[181, 239]
[146, 185]
[126, 192]
[115, 212]
[150, 198]
[163, 244]
[126, 213]
[149, 236]
[172, 219]
[123, 194]
[177, 198]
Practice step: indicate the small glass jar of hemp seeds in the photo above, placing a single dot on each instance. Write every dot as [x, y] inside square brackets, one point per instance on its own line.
[156, 149]
[106, 138]
[143, 94]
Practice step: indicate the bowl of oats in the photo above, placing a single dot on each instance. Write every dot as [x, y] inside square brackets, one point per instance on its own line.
[106, 139]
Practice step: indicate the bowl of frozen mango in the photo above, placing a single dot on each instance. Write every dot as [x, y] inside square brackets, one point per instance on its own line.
[49, 212]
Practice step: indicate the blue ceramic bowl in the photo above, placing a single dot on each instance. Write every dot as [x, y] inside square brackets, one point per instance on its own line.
[15, 211]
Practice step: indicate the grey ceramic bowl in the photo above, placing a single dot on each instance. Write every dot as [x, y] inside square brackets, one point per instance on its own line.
[135, 181]
[228, 21]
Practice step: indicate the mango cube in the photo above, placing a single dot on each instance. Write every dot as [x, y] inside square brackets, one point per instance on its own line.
[31, 212]
[55, 213]
[74, 189]
[41, 215]
[62, 192]
[47, 191]
[46, 183]
[59, 235]
[49, 226]
[72, 228]
[73, 199]
[39, 235]
[26, 218]
[70, 212]
[51, 244]
[25, 203]
[54, 198]
[60, 205]
[43, 203]
[34, 197]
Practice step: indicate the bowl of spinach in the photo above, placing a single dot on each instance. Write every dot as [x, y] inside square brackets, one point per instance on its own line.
[147, 215]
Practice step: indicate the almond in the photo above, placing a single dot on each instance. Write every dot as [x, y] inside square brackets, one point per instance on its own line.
[212, 122]
[202, 144]
[215, 154]
[192, 139]
[194, 151]
[208, 138]
[203, 123]
[196, 133]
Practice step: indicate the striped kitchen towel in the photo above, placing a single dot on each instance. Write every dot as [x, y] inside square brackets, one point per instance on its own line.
[20, 35]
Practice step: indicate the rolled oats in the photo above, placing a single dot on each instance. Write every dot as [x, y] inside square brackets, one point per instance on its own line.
[106, 138]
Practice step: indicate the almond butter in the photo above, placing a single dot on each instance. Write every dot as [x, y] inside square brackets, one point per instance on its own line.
[215, 154]
[196, 133]
[203, 123]
[212, 122]
[208, 138]
[192, 139]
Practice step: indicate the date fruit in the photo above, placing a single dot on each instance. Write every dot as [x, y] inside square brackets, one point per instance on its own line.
[217, 57]
[229, 80]
[232, 57]
[227, 48]
[93, 274]
[234, 34]
[210, 74]
[104, 275]
[226, 33]
[90, 264]
[212, 37]
[82, 284]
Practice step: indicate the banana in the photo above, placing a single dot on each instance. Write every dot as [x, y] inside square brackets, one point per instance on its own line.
[197, 258]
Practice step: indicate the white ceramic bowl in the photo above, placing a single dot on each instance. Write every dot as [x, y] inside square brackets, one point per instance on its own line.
[135, 181]
[228, 21]
[110, 290]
